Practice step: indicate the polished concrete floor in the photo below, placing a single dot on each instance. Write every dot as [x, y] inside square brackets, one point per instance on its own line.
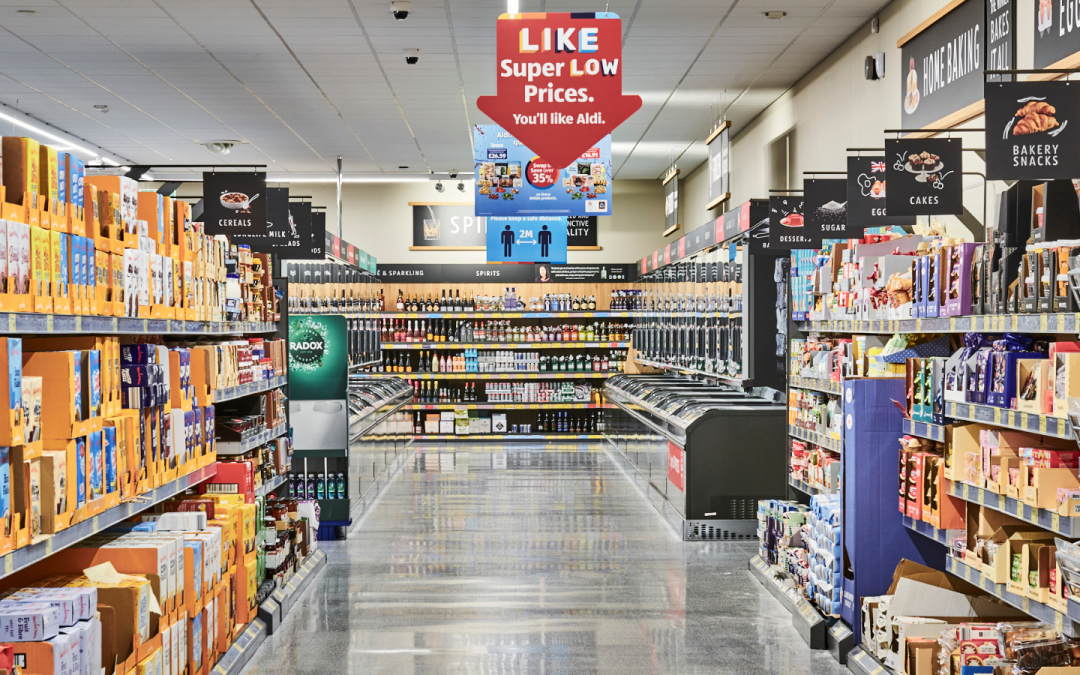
[539, 560]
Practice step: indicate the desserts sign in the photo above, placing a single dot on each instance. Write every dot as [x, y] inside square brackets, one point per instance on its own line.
[559, 82]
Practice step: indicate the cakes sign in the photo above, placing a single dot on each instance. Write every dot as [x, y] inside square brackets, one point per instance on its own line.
[559, 82]
[925, 176]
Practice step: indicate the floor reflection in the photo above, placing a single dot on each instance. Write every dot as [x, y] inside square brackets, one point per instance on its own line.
[530, 559]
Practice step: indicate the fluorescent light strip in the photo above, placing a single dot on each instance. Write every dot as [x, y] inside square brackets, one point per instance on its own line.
[511, 6]
[53, 137]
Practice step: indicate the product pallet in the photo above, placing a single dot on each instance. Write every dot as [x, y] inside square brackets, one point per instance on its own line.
[935, 432]
[502, 345]
[24, 557]
[274, 609]
[1066, 526]
[523, 375]
[241, 390]
[815, 384]
[12, 323]
[690, 371]
[1065, 623]
[827, 442]
[862, 662]
[507, 406]
[809, 489]
[927, 530]
[1011, 419]
[805, 617]
[252, 441]
[996, 323]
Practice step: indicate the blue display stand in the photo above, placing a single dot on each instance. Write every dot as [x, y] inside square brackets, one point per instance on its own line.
[875, 538]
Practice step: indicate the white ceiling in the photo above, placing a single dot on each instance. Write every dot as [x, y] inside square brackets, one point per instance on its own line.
[303, 81]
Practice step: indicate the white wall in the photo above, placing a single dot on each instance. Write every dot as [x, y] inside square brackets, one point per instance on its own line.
[833, 108]
[377, 218]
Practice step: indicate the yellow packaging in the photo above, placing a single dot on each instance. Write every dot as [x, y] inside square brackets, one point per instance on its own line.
[48, 179]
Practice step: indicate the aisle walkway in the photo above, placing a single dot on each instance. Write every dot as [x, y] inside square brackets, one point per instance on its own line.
[546, 562]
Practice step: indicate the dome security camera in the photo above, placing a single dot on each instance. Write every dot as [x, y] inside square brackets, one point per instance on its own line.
[400, 9]
[439, 187]
[453, 175]
[461, 187]
[411, 56]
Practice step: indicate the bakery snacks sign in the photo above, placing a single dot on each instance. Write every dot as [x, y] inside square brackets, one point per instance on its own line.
[943, 67]
[559, 78]
[1032, 130]
[925, 176]
[234, 203]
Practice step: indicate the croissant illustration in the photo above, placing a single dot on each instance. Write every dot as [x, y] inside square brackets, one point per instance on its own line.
[1037, 116]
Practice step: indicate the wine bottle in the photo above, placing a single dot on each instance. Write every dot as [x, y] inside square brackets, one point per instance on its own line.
[400, 306]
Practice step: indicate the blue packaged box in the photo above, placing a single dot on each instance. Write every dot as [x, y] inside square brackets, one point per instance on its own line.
[165, 434]
[137, 355]
[196, 546]
[78, 174]
[13, 355]
[209, 440]
[91, 385]
[77, 387]
[65, 256]
[95, 466]
[80, 472]
[155, 429]
[5, 481]
[197, 424]
[108, 453]
[91, 272]
[1001, 385]
[61, 179]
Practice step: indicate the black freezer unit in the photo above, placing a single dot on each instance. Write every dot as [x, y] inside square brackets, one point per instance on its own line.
[710, 453]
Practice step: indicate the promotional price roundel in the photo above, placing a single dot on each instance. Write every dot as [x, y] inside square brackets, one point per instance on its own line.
[559, 83]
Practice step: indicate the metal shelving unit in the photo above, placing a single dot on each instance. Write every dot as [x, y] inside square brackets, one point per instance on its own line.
[924, 528]
[996, 323]
[1066, 623]
[1011, 419]
[13, 323]
[827, 442]
[934, 432]
[504, 345]
[255, 440]
[523, 375]
[508, 406]
[809, 489]
[241, 390]
[815, 384]
[737, 382]
[271, 485]
[597, 314]
[509, 437]
[28, 555]
[1068, 527]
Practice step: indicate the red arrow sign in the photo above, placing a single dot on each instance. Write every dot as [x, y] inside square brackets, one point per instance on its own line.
[560, 82]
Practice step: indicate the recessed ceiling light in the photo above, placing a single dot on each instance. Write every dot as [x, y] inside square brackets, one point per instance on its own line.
[101, 108]
[775, 15]
[403, 167]
[26, 11]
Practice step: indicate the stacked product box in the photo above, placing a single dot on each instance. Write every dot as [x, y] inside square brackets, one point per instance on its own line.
[825, 580]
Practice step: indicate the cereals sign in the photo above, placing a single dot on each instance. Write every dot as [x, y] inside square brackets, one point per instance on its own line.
[559, 82]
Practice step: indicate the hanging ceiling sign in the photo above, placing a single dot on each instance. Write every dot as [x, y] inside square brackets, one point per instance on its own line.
[299, 241]
[512, 181]
[559, 82]
[671, 202]
[526, 239]
[787, 224]
[1057, 33]
[234, 203]
[1032, 130]
[719, 169]
[943, 67]
[1000, 38]
[925, 176]
[866, 194]
[317, 238]
[826, 209]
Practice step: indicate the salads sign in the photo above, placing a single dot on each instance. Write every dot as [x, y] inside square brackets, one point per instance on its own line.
[559, 80]
[943, 66]
[234, 203]
[513, 181]
[1032, 130]
[925, 176]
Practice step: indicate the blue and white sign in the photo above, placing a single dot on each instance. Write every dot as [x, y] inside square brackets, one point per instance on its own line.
[512, 181]
[526, 239]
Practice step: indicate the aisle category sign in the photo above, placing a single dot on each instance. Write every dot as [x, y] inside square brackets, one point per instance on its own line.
[925, 176]
[234, 203]
[1032, 130]
[559, 78]
[526, 239]
[511, 180]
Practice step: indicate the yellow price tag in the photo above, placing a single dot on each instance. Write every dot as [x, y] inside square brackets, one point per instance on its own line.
[1025, 604]
[1010, 418]
[1014, 321]
[1042, 424]
[94, 523]
[48, 546]
[952, 323]
[967, 491]
[1043, 324]
[1001, 502]
[78, 323]
[997, 415]
[1055, 521]
[1057, 621]
[1020, 510]
[967, 572]
[7, 564]
[49, 322]
[11, 322]
[560, 376]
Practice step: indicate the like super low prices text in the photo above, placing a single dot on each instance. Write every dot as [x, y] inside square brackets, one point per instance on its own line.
[572, 44]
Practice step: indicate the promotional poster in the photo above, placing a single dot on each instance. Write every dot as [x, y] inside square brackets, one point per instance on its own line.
[512, 181]
[526, 239]
[925, 176]
[1032, 130]
[234, 203]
